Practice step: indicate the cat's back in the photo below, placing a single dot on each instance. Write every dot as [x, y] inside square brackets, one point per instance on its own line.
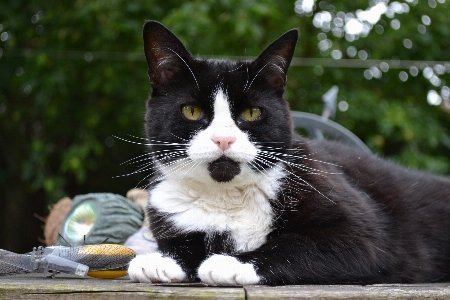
[411, 208]
[381, 177]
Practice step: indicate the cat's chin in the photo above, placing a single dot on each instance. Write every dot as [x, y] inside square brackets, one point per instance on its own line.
[223, 169]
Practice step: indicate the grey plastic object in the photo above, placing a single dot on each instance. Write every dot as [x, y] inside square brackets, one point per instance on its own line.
[41, 260]
[317, 126]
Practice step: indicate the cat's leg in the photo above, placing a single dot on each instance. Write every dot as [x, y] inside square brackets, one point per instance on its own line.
[296, 259]
[177, 262]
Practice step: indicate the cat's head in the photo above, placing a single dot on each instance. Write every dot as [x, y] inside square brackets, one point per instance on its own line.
[216, 119]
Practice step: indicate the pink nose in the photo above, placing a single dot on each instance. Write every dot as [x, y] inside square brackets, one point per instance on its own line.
[224, 142]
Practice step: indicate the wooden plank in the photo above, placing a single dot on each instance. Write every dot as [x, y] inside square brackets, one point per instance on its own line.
[328, 292]
[34, 286]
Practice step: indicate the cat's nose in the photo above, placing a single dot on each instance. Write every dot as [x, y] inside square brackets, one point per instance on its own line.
[224, 142]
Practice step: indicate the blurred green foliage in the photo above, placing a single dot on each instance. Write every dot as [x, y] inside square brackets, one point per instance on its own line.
[73, 74]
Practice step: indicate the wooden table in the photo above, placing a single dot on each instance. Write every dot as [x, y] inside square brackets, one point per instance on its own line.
[35, 286]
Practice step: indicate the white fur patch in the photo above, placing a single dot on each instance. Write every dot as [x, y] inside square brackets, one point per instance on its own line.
[203, 148]
[227, 270]
[195, 202]
[155, 268]
[240, 207]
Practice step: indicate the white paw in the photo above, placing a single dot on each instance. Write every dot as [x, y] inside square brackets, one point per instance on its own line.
[154, 268]
[227, 270]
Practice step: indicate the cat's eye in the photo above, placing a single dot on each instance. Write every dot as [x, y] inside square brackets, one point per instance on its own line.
[192, 112]
[251, 114]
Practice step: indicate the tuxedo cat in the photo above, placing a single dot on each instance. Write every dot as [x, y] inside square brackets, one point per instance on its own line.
[237, 197]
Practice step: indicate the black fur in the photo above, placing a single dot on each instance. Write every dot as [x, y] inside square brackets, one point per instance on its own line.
[223, 169]
[342, 216]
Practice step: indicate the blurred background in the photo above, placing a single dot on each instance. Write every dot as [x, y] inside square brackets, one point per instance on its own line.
[73, 75]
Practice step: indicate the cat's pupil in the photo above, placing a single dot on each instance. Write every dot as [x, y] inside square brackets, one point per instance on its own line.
[192, 112]
[251, 114]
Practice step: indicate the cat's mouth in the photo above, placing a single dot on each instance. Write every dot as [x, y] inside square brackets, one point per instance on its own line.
[223, 169]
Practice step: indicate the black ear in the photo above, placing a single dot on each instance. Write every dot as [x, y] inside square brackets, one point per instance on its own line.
[274, 61]
[165, 54]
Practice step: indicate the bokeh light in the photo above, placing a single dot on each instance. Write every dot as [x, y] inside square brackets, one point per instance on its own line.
[359, 23]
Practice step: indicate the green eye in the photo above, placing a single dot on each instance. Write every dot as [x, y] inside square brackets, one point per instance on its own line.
[251, 114]
[192, 112]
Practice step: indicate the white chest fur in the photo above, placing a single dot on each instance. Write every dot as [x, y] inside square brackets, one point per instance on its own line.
[243, 210]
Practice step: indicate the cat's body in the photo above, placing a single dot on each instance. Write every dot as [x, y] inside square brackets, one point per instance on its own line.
[238, 198]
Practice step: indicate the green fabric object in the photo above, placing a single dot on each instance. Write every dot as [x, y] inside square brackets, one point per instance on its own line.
[96, 217]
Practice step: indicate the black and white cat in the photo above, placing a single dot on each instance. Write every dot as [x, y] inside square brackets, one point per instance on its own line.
[238, 198]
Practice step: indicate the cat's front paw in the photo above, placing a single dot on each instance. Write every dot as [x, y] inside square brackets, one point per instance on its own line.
[227, 270]
[155, 268]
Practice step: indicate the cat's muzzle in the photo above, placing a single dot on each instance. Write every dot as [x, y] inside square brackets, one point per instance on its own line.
[223, 169]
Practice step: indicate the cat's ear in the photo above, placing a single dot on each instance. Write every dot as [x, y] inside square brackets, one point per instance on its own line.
[166, 56]
[274, 61]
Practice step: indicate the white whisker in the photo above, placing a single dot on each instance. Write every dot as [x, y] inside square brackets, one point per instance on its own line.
[177, 165]
[257, 167]
[190, 70]
[144, 168]
[194, 165]
[130, 161]
[246, 65]
[154, 154]
[301, 157]
[298, 177]
[298, 166]
[146, 177]
[177, 136]
[255, 77]
[235, 69]
[147, 144]
[148, 166]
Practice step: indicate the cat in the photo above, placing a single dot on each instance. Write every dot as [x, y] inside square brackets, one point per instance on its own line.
[237, 197]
